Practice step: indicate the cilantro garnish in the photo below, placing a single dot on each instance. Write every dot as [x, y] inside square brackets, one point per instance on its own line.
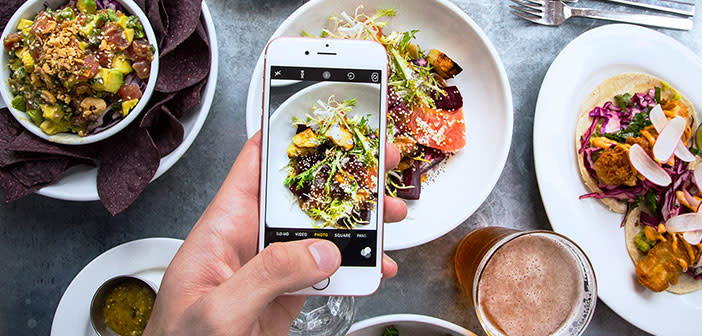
[639, 122]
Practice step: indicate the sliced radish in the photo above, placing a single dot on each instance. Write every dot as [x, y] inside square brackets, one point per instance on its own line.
[683, 153]
[647, 167]
[684, 223]
[658, 118]
[659, 121]
[697, 177]
[693, 237]
[693, 202]
[668, 139]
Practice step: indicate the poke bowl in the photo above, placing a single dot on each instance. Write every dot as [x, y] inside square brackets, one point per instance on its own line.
[78, 72]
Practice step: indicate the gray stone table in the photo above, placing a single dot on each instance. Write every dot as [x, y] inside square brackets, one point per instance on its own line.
[45, 242]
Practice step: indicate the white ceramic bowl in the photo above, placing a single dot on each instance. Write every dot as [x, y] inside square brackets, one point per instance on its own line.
[80, 182]
[468, 177]
[28, 11]
[407, 325]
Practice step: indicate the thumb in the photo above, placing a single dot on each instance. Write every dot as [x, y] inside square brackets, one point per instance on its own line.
[280, 268]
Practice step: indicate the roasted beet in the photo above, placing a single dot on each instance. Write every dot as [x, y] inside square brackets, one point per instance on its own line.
[434, 156]
[300, 193]
[451, 101]
[301, 128]
[422, 62]
[411, 177]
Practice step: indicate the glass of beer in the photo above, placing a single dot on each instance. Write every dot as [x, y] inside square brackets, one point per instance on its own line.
[526, 283]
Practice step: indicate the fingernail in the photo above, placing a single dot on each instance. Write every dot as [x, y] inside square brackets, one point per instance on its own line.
[325, 255]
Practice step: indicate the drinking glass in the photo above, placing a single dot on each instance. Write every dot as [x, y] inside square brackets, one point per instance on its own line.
[324, 316]
[475, 251]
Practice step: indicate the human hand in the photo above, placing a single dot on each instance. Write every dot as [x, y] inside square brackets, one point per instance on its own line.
[217, 285]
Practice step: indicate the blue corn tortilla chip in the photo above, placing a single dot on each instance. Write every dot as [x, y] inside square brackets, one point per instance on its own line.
[9, 129]
[186, 99]
[42, 172]
[128, 162]
[154, 109]
[152, 8]
[186, 66]
[28, 143]
[10, 158]
[183, 17]
[166, 132]
[202, 32]
[7, 9]
[141, 4]
[13, 189]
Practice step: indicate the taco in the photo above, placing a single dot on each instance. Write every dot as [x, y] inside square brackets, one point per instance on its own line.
[633, 140]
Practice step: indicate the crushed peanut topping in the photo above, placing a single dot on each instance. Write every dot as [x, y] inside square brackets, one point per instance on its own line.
[62, 56]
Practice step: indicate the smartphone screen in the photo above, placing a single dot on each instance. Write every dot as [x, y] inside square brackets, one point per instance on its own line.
[323, 158]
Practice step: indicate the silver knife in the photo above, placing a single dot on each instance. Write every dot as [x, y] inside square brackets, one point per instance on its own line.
[670, 6]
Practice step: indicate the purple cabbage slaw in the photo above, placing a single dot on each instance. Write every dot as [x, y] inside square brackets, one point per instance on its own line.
[668, 203]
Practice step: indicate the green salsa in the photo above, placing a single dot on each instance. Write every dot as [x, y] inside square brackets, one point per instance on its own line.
[127, 307]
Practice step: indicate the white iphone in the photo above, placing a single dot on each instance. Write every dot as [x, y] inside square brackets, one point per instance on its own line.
[323, 150]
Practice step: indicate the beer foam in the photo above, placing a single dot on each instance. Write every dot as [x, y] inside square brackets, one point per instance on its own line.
[530, 286]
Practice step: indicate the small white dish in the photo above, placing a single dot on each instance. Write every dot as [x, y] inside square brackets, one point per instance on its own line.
[287, 212]
[28, 11]
[146, 259]
[407, 325]
[467, 178]
[588, 60]
[80, 182]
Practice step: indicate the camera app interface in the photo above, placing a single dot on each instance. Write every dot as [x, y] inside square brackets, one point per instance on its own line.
[323, 152]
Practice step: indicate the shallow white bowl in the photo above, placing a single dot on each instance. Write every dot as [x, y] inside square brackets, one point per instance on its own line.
[407, 325]
[467, 178]
[28, 11]
[80, 183]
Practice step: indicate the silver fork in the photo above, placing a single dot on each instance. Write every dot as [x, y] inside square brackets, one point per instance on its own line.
[555, 12]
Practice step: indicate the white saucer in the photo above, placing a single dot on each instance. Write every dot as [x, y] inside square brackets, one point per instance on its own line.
[145, 258]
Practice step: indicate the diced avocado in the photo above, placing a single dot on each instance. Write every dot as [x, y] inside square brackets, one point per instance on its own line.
[129, 34]
[121, 64]
[112, 15]
[36, 117]
[52, 113]
[108, 80]
[50, 127]
[19, 103]
[643, 243]
[24, 23]
[122, 21]
[27, 61]
[70, 82]
[20, 74]
[128, 106]
[135, 24]
[87, 6]
[67, 14]
[87, 28]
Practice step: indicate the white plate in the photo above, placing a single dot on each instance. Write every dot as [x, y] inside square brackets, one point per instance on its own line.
[287, 212]
[80, 183]
[588, 60]
[469, 176]
[407, 325]
[145, 258]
